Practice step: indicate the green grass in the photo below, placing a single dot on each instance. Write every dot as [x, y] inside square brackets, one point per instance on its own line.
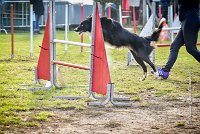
[43, 116]
[24, 108]
[135, 98]
[180, 124]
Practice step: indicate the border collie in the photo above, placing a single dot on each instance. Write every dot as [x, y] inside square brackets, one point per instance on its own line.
[117, 36]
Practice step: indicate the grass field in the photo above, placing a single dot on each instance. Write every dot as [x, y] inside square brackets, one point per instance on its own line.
[23, 108]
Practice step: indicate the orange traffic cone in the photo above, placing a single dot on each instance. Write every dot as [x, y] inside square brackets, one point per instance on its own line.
[164, 35]
[100, 72]
[43, 67]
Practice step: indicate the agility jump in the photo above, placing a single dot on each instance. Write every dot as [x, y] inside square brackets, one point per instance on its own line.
[99, 83]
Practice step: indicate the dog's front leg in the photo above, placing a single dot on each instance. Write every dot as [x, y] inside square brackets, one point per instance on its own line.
[141, 63]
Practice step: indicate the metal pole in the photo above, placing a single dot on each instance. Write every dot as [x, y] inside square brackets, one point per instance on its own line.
[31, 31]
[154, 13]
[54, 37]
[171, 20]
[144, 14]
[12, 30]
[22, 14]
[51, 40]
[81, 18]
[66, 26]
[109, 11]
[134, 20]
[171, 15]
[26, 9]
[92, 48]
[120, 13]
[159, 12]
[147, 10]
[152, 55]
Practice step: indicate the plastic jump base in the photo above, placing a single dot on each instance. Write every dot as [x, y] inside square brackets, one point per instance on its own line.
[37, 84]
[115, 99]
[70, 97]
[95, 97]
[34, 87]
[109, 98]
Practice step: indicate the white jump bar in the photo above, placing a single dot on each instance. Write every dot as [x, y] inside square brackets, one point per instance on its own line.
[72, 43]
[170, 28]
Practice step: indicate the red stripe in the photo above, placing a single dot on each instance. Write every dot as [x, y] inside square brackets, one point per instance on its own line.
[71, 65]
[167, 45]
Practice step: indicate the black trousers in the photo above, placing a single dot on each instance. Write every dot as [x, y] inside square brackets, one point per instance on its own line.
[188, 35]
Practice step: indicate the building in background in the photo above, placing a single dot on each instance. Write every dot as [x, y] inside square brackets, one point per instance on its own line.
[22, 12]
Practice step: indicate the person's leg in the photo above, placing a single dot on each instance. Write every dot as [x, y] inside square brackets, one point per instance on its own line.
[34, 23]
[190, 33]
[174, 50]
[37, 23]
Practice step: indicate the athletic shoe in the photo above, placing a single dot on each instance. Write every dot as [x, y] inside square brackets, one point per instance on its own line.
[163, 74]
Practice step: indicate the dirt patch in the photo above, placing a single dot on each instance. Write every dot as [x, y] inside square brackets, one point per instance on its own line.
[161, 115]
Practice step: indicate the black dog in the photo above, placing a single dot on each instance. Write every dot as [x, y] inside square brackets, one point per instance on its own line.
[117, 36]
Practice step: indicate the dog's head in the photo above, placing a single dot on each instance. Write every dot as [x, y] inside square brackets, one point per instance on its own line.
[85, 26]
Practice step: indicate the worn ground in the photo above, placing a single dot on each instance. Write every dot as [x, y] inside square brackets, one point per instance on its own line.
[152, 115]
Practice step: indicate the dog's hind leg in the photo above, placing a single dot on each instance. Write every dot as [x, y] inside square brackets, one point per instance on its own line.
[147, 60]
[141, 63]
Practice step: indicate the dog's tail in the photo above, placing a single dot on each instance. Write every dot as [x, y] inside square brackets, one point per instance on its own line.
[155, 35]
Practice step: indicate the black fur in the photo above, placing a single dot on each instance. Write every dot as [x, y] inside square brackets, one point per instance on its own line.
[117, 36]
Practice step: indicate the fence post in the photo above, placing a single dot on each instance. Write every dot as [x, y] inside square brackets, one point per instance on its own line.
[120, 13]
[12, 30]
[134, 20]
[82, 18]
[66, 26]
[144, 13]
[31, 30]
[109, 11]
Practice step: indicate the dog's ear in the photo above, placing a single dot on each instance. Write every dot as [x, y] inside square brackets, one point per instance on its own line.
[89, 18]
